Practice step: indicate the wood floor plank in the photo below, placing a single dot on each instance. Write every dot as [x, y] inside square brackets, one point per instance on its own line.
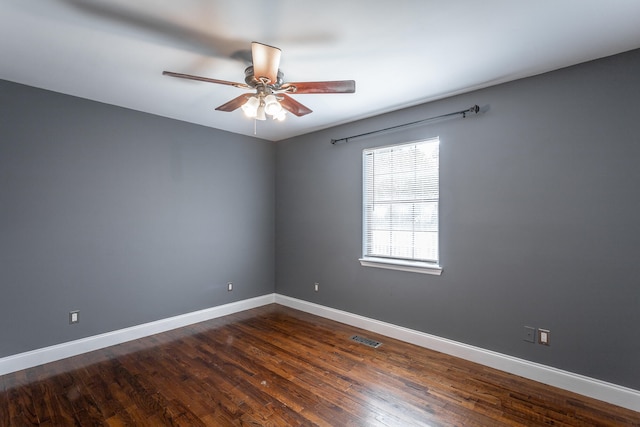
[275, 366]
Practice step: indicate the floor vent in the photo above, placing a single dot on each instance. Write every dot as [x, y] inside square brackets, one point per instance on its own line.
[366, 341]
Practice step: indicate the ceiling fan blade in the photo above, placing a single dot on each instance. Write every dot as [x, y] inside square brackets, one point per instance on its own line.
[338, 86]
[293, 106]
[235, 103]
[266, 60]
[205, 79]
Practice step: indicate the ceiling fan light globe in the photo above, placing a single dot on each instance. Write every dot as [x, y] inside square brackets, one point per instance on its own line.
[260, 113]
[272, 107]
[250, 107]
[282, 114]
[250, 114]
[252, 102]
[249, 111]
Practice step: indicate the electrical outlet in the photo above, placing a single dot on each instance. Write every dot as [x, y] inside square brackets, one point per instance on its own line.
[74, 317]
[544, 336]
[529, 334]
[316, 286]
[229, 286]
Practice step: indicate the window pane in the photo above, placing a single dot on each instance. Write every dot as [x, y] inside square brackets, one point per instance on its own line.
[402, 216]
[427, 246]
[426, 218]
[383, 188]
[381, 242]
[402, 244]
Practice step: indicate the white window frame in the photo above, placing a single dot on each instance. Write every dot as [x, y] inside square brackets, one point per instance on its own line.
[426, 266]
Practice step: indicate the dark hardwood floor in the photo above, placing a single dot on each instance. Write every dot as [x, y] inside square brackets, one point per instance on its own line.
[275, 366]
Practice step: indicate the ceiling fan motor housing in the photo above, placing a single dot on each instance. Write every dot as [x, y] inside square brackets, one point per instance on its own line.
[253, 81]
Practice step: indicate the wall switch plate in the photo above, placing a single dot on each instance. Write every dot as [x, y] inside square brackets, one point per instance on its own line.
[529, 334]
[543, 336]
[229, 286]
[316, 286]
[74, 317]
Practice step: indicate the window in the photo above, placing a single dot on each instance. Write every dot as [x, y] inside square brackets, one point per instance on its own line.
[400, 207]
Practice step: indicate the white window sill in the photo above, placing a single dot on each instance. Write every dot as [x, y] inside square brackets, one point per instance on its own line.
[402, 265]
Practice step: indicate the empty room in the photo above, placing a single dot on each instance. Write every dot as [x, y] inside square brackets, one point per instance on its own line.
[412, 213]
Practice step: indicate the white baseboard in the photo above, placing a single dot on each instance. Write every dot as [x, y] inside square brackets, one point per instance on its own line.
[597, 389]
[44, 355]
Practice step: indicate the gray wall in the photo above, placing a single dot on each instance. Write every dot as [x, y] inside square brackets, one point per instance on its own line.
[540, 204]
[125, 216]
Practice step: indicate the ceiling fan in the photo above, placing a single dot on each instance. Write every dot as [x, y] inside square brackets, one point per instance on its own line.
[272, 92]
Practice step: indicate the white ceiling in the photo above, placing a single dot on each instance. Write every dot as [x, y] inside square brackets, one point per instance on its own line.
[400, 53]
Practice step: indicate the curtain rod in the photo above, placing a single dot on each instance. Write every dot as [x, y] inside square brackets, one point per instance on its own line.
[473, 109]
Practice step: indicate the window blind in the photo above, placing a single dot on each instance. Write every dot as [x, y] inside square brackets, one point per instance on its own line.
[401, 197]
